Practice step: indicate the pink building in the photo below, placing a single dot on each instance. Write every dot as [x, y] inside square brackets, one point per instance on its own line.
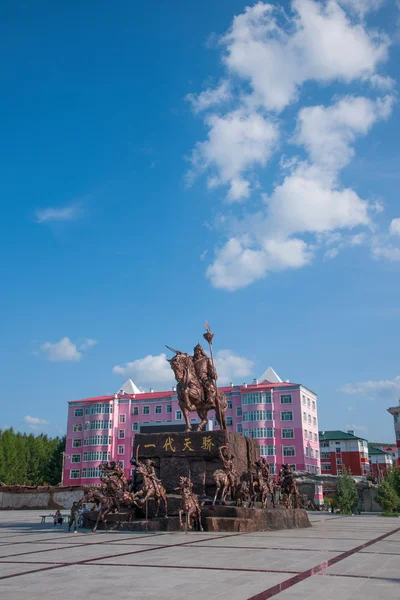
[282, 416]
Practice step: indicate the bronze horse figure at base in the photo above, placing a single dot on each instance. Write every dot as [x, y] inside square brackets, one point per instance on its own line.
[190, 505]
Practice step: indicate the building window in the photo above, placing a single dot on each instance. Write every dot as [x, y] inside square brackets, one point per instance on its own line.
[267, 450]
[178, 415]
[122, 418]
[121, 434]
[338, 461]
[289, 451]
[260, 432]
[325, 454]
[257, 398]
[238, 411]
[287, 415]
[229, 420]
[78, 412]
[305, 434]
[239, 428]
[317, 454]
[314, 421]
[135, 426]
[339, 472]
[99, 409]
[169, 409]
[338, 451]
[76, 443]
[313, 404]
[303, 399]
[315, 437]
[287, 434]
[87, 425]
[311, 452]
[257, 415]
[309, 419]
[135, 410]
[272, 468]
[146, 410]
[90, 473]
[326, 466]
[305, 417]
[78, 427]
[307, 452]
[96, 455]
[121, 463]
[75, 458]
[121, 449]
[97, 440]
[324, 444]
[229, 402]
[100, 424]
[308, 402]
[158, 410]
[286, 399]
[74, 474]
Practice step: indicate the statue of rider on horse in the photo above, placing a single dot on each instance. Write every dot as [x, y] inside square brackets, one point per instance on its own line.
[197, 389]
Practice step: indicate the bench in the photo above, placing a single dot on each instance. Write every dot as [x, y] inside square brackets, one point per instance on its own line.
[44, 517]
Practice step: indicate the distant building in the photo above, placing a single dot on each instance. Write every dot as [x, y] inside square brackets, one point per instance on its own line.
[339, 450]
[395, 411]
[280, 415]
[380, 460]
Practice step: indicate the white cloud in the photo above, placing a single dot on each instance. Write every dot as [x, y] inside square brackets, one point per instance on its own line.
[210, 97]
[88, 343]
[362, 7]
[66, 213]
[387, 389]
[386, 251]
[237, 265]
[231, 367]
[150, 370]
[64, 350]
[327, 133]
[319, 42]
[156, 370]
[394, 228]
[35, 421]
[268, 56]
[236, 143]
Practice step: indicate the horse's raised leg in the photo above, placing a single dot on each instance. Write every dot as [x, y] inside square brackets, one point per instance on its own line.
[216, 492]
[186, 417]
[202, 412]
[97, 521]
[165, 506]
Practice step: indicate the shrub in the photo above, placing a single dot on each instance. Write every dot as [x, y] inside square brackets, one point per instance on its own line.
[346, 497]
[387, 497]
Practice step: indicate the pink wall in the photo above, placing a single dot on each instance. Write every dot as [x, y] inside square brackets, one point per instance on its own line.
[123, 420]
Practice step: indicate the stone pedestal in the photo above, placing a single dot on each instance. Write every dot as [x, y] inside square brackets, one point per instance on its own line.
[195, 453]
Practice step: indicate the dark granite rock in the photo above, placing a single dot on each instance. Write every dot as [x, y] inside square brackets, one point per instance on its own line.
[197, 453]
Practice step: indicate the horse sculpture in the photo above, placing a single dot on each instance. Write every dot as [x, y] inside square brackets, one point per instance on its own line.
[225, 479]
[107, 504]
[290, 496]
[190, 505]
[264, 485]
[152, 488]
[191, 393]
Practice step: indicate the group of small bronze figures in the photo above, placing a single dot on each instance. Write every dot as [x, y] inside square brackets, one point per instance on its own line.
[117, 492]
[258, 486]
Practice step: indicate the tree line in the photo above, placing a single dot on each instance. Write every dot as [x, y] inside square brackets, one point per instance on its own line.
[28, 459]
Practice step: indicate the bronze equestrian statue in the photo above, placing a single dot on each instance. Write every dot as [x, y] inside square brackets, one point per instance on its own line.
[197, 384]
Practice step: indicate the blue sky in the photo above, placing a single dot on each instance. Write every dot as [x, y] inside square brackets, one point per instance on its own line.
[168, 163]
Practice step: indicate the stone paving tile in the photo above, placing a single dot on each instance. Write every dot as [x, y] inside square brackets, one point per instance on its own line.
[139, 583]
[227, 558]
[72, 555]
[207, 562]
[363, 564]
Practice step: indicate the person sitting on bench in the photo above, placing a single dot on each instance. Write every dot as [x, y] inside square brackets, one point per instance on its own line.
[58, 518]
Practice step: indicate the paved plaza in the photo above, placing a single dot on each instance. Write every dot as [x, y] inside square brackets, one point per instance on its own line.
[339, 557]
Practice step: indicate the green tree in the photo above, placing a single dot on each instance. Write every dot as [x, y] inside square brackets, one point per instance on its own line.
[29, 459]
[393, 478]
[387, 497]
[346, 497]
